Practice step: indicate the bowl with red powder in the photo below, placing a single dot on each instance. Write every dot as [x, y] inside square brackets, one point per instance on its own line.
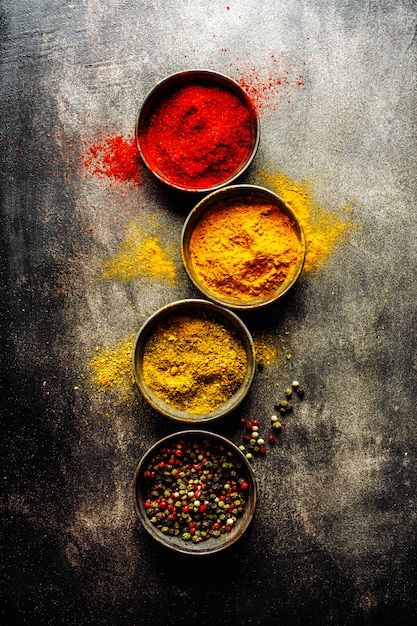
[197, 131]
[243, 247]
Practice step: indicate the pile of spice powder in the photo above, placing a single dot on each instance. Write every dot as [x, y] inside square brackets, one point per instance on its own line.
[194, 362]
[196, 491]
[198, 137]
[139, 255]
[111, 367]
[323, 228]
[245, 250]
[265, 349]
[114, 157]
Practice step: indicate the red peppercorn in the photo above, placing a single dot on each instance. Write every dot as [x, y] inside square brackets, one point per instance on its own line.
[249, 425]
[255, 422]
[178, 453]
[271, 439]
[244, 485]
[262, 449]
[228, 528]
[185, 508]
[202, 507]
[162, 464]
[243, 421]
[163, 504]
[147, 504]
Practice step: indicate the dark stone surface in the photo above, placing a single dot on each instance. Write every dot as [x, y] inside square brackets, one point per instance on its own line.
[334, 536]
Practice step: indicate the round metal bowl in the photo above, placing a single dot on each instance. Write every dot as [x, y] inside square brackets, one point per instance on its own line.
[142, 485]
[221, 199]
[164, 90]
[196, 307]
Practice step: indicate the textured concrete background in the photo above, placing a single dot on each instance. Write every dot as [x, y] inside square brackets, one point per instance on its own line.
[333, 539]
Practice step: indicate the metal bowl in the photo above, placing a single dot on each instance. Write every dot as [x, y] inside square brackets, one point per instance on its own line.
[165, 89]
[246, 194]
[211, 545]
[193, 306]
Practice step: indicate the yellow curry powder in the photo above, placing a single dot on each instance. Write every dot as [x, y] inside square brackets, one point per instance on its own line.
[139, 255]
[244, 250]
[112, 367]
[265, 350]
[323, 228]
[194, 363]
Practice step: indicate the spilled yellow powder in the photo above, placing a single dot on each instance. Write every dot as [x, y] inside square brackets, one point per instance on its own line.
[112, 367]
[265, 350]
[139, 255]
[323, 228]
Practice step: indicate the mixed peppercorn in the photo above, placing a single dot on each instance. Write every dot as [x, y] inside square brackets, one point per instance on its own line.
[195, 490]
[253, 441]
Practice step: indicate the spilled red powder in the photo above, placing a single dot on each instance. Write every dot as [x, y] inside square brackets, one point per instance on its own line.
[115, 157]
[271, 85]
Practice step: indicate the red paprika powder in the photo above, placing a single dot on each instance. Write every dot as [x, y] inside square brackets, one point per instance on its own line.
[199, 136]
[114, 157]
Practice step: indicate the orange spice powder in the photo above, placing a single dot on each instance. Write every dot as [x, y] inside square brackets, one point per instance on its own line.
[242, 251]
[323, 228]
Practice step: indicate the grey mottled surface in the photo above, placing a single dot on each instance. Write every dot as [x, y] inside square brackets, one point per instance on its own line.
[334, 536]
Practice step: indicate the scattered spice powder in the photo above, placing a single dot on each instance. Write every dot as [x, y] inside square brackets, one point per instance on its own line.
[139, 255]
[270, 85]
[111, 367]
[323, 228]
[194, 362]
[244, 250]
[265, 349]
[114, 157]
[198, 136]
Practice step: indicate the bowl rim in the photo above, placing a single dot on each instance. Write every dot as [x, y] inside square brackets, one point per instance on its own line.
[211, 546]
[157, 403]
[166, 85]
[231, 192]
